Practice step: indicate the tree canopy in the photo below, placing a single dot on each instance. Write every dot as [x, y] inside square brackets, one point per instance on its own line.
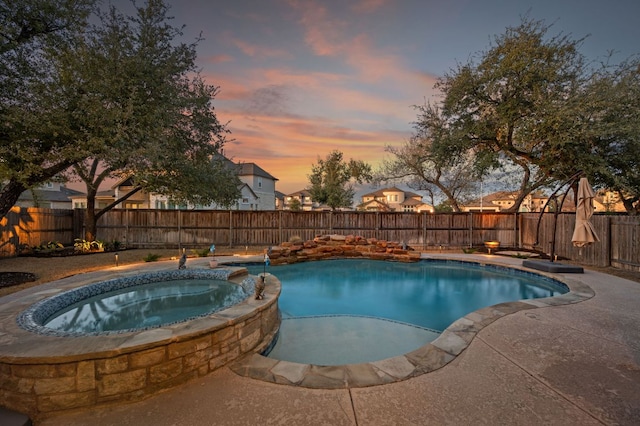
[122, 97]
[146, 112]
[332, 180]
[531, 102]
[34, 148]
[425, 163]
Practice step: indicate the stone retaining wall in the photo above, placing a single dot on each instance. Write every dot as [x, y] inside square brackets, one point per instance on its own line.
[44, 386]
[331, 246]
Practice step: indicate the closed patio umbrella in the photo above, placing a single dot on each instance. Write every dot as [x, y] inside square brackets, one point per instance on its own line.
[583, 233]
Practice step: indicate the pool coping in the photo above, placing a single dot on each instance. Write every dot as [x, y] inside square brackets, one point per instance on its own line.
[430, 357]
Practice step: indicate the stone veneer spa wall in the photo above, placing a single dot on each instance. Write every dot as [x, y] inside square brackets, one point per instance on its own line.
[41, 375]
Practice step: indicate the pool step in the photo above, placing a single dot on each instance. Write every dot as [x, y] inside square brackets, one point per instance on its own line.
[13, 418]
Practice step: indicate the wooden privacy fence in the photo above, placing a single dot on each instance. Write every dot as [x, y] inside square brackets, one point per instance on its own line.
[201, 228]
[619, 235]
[33, 227]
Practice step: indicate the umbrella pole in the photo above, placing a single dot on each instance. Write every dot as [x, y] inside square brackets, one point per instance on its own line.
[553, 196]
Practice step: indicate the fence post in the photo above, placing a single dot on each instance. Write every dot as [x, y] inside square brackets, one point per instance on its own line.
[608, 240]
[230, 228]
[516, 234]
[331, 222]
[470, 229]
[179, 231]
[424, 231]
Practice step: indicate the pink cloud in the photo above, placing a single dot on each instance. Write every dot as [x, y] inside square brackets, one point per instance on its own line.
[369, 6]
[254, 50]
[218, 59]
[322, 34]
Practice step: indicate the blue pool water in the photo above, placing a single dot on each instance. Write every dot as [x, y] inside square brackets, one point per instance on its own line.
[408, 297]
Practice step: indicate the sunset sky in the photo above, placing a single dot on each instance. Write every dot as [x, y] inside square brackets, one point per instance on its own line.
[299, 79]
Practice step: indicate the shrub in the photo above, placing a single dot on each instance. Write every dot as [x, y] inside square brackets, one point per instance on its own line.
[49, 246]
[151, 257]
[201, 252]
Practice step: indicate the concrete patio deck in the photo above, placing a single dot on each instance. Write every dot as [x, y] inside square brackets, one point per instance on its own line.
[576, 364]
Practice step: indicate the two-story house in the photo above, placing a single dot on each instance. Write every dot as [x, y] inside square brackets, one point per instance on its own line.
[394, 200]
[50, 195]
[504, 200]
[299, 200]
[257, 191]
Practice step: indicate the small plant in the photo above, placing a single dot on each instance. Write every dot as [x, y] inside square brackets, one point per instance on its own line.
[201, 252]
[521, 255]
[151, 257]
[49, 246]
[85, 246]
[469, 250]
[82, 245]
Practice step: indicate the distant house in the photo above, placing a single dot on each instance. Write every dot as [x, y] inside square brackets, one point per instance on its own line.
[280, 197]
[139, 200]
[261, 183]
[504, 200]
[257, 191]
[608, 201]
[394, 200]
[301, 198]
[51, 195]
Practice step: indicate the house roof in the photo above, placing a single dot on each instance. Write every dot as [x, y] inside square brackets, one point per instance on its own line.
[63, 195]
[249, 169]
[302, 192]
[382, 193]
[376, 203]
[411, 202]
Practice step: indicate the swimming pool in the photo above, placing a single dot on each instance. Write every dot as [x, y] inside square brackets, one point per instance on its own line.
[366, 310]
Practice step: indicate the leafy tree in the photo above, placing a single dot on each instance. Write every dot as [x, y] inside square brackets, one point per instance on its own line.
[518, 105]
[612, 117]
[295, 205]
[424, 162]
[332, 180]
[146, 112]
[33, 147]
[444, 207]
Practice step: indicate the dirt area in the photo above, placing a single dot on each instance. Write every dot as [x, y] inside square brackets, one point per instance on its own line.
[48, 269]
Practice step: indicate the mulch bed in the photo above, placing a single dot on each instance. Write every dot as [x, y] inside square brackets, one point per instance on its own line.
[8, 279]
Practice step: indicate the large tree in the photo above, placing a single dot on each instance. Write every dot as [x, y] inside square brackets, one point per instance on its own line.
[425, 162]
[137, 99]
[612, 120]
[517, 105]
[332, 180]
[34, 148]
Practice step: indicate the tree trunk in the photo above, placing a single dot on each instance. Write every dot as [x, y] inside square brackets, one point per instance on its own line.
[90, 220]
[9, 196]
